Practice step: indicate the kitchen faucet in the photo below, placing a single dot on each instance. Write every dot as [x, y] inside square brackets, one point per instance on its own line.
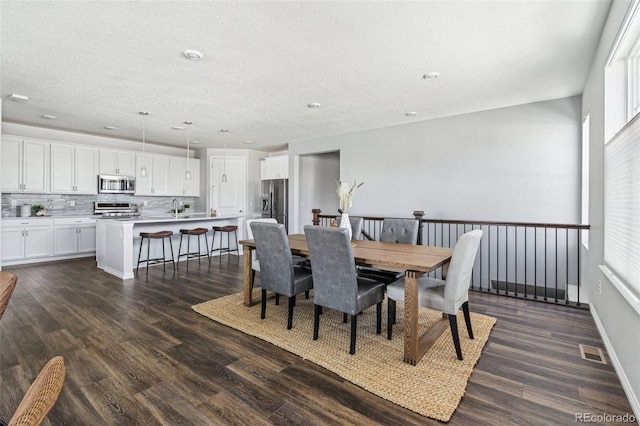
[174, 206]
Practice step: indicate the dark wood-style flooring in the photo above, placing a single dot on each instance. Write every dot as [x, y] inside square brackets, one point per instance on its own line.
[137, 354]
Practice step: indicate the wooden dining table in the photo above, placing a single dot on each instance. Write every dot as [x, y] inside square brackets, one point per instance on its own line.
[413, 260]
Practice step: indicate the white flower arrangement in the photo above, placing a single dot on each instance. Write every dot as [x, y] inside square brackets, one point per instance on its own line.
[345, 194]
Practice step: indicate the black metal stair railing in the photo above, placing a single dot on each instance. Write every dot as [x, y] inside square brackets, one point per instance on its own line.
[536, 261]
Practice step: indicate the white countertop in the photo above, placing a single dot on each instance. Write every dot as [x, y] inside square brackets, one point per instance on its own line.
[67, 216]
[182, 217]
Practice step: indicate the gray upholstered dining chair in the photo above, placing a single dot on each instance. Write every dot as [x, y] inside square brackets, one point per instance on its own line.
[277, 270]
[448, 295]
[356, 227]
[336, 284]
[255, 262]
[403, 231]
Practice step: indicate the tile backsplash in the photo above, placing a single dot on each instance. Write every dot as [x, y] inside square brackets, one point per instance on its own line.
[61, 204]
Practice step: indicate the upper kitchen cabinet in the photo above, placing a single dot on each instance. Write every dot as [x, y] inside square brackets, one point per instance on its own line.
[114, 162]
[25, 165]
[74, 169]
[178, 184]
[274, 168]
[157, 180]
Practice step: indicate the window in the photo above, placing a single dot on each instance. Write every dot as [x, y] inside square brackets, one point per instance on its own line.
[585, 178]
[622, 160]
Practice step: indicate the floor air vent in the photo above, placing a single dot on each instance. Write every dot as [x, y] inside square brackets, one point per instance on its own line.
[591, 353]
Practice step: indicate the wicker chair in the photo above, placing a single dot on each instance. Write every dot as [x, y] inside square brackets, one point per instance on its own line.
[8, 283]
[42, 395]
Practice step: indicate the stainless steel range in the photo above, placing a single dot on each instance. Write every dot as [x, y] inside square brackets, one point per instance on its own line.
[117, 209]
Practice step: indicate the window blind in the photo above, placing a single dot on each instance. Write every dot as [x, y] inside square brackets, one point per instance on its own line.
[622, 206]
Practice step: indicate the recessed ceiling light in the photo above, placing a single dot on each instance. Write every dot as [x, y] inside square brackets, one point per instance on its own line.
[196, 142]
[49, 117]
[194, 55]
[248, 142]
[410, 113]
[109, 127]
[178, 128]
[16, 97]
[431, 75]
[313, 105]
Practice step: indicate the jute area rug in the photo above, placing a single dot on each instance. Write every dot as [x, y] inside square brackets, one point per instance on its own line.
[433, 388]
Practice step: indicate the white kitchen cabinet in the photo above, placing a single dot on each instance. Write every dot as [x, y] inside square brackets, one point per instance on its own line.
[274, 168]
[25, 165]
[74, 235]
[178, 185]
[157, 180]
[74, 169]
[26, 239]
[113, 162]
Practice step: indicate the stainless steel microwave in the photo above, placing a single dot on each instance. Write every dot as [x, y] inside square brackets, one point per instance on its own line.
[116, 184]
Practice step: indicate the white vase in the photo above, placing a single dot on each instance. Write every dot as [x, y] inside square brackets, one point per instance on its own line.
[346, 223]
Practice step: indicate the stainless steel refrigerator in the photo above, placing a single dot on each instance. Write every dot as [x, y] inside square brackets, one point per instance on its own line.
[275, 200]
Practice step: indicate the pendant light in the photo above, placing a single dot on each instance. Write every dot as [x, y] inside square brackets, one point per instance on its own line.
[143, 169]
[224, 158]
[187, 174]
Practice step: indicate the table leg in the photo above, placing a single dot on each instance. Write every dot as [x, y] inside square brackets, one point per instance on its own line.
[411, 338]
[415, 346]
[248, 293]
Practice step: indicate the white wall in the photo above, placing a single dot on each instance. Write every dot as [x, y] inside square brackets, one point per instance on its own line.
[617, 321]
[317, 176]
[519, 163]
[0, 185]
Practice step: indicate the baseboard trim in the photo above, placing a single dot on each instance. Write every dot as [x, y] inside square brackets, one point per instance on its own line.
[617, 366]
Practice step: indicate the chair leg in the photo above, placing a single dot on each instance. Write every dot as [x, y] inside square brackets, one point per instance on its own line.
[199, 249]
[206, 244]
[139, 254]
[354, 327]
[391, 305]
[173, 259]
[316, 320]
[277, 299]
[148, 252]
[235, 234]
[467, 318]
[264, 304]
[188, 248]
[306, 294]
[180, 247]
[292, 303]
[453, 323]
[253, 277]
[344, 318]
[379, 318]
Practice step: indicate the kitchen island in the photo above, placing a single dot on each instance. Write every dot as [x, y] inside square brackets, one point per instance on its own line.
[118, 239]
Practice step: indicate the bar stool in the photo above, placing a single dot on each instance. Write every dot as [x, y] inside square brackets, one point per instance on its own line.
[189, 254]
[161, 235]
[228, 229]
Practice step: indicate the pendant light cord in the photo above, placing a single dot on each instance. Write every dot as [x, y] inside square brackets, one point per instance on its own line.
[143, 169]
[224, 158]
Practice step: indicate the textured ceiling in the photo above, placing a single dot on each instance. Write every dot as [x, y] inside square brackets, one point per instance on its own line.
[97, 63]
